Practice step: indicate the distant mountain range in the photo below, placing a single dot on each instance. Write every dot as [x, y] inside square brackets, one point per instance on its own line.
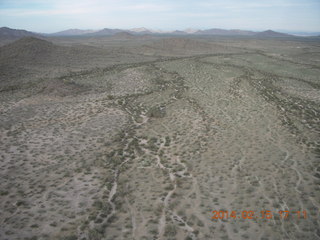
[12, 34]
[145, 31]
[270, 33]
[8, 33]
[223, 32]
[303, 34]
[72, 32]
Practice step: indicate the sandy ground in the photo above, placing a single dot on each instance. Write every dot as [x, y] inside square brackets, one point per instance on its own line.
[149, 148]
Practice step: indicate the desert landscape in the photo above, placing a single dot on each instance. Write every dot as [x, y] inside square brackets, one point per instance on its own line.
[143, 137]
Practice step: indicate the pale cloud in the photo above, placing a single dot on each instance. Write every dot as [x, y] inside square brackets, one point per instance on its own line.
[148, 7]
[46, 15]
[24, 12]
[74, 7]
[252, 4]
[50, 8]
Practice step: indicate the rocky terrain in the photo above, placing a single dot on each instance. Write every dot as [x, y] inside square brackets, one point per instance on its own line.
[143, 138]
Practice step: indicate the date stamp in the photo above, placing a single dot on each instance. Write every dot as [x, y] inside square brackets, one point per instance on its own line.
[264, 214]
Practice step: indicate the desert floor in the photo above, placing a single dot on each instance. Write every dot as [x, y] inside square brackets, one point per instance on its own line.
[143, 138]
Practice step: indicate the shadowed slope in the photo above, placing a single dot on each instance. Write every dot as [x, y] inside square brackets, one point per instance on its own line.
[28, 59]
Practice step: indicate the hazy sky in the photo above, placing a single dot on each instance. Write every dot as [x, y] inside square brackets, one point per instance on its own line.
[56, 15]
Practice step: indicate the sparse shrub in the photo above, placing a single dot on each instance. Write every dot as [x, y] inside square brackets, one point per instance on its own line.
[34, 226]
[157, 112]
[168, 140]
[71, 237]
[53, 224]
[170, 230]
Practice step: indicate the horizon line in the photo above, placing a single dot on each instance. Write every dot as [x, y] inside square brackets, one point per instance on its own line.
[157, 30]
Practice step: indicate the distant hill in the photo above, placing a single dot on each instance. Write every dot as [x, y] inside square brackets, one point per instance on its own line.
[72, 32]
[270, 33]
[140, 31]
[223, 32]
[177, 32]
[13, 34]
[105, 32]
[129, 36]
[145, 31]
[191, 30]
[123, 35]
[30, 58]
[237, 32]
[242, 32]
[303, 34]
